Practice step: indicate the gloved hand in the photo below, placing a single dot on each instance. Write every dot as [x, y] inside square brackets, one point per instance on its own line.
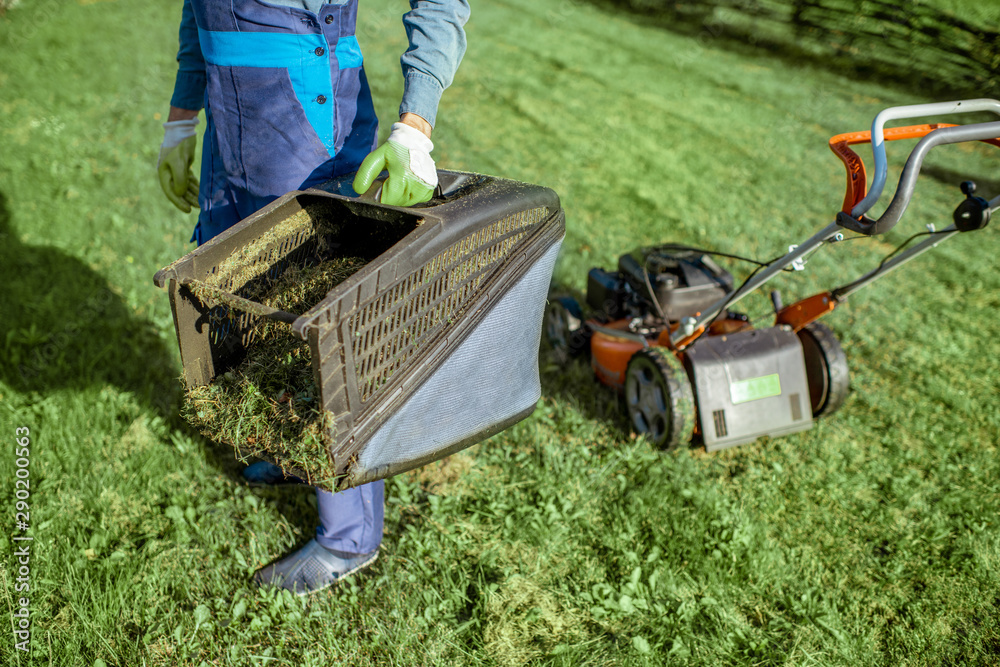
[174, 164]
[407, 156]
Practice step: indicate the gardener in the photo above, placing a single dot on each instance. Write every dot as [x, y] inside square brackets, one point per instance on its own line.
[287, 106]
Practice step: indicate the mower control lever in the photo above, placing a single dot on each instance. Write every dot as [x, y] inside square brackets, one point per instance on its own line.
[909, 111]
[908, 180]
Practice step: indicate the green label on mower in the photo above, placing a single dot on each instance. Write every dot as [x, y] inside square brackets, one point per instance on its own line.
[755, 388]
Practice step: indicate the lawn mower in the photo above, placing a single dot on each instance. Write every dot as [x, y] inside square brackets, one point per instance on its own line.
[661, 328]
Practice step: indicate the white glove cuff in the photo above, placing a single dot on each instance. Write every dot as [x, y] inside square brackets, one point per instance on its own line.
[411, 138]
[176, 131]
[418, 146]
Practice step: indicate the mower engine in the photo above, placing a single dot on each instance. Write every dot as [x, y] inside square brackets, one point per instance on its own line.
[653, 281]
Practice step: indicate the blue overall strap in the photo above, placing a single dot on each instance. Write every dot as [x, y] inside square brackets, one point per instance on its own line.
[288, 103]
[304, 56]
[317, 55]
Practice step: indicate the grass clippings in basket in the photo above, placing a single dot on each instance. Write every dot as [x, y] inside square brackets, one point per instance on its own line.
[269, 405]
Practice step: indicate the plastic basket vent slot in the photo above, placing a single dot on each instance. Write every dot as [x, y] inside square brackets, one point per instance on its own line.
[387, 330]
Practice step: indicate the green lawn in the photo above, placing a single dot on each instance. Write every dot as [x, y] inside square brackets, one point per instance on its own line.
[872, 539]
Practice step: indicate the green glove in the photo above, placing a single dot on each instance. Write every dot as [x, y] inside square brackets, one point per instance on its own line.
[406, 154]
[174, 164]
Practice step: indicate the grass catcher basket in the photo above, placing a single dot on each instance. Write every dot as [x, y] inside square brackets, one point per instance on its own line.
[347, 341]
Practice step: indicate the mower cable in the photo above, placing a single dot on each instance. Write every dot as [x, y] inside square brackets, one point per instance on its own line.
[656, 303]
[652, 295]
[836, 292]
[716, 253]
[760, 265]
[725, 306]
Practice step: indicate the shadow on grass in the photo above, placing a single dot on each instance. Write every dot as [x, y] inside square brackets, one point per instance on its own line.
[64, 327]
[572, 381]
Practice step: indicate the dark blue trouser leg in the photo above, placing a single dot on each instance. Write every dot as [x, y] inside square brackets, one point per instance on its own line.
[351, 521]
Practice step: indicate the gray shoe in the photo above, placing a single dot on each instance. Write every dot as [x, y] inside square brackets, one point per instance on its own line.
[312, 568]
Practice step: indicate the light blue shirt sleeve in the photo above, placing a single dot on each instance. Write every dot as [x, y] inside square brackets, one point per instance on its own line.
[435, 30]
[189, 87]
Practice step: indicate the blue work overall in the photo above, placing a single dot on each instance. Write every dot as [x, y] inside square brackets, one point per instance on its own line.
[288, 106]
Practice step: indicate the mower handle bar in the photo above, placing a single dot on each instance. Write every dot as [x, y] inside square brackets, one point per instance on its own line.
[910, 111]
[908, 179]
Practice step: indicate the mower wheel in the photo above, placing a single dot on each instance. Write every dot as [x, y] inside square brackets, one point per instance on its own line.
[827, 372]
[564, 327]
[659, 398]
